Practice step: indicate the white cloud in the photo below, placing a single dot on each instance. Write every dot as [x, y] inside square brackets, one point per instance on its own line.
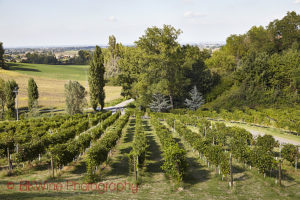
[191, 14]
[297, 1]
[112, 18]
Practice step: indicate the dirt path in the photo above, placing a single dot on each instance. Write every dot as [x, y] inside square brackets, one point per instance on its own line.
[261, 132]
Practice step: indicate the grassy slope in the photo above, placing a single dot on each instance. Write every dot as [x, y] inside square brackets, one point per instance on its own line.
[50, 80]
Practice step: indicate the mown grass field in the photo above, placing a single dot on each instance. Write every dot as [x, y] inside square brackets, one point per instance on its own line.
[61, 72]
[200, 181]
[51, 80]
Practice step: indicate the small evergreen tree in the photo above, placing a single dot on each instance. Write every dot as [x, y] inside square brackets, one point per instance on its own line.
[33, 94]
[159, 103]
[10, 97]
[196, 99]
[75, 97]
[96, 79]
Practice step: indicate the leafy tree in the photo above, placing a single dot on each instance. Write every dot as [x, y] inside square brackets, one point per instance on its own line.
[285, 32]
[159, 103]
[33, 94]
[83, 57]
[289, 152]
[196, 99]
[10, 97]
[196, 71]
[111, 58]
[129, 70]
[96, 79]
[1, 55]
[222, 62]
[161, 57]
[75, 97]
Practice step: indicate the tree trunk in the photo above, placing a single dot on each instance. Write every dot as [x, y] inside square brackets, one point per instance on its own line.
[52, 166]
[134, 167]
[296, 160]
[171, 101]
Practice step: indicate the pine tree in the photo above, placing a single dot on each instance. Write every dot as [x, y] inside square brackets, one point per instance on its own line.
[96, 79]
[33, 94]
[196, 99]
[159, 103]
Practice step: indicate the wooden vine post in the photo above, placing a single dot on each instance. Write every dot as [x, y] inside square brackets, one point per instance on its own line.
[231, 174]
[9, 162]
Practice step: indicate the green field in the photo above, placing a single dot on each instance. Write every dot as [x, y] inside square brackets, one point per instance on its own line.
[51, 80]
[63, 72]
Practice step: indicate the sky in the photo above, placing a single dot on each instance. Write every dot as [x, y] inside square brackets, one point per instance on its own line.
[29, 23]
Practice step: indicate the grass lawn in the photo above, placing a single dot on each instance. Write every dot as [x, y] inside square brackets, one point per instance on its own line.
[62, 72]
[51, 80]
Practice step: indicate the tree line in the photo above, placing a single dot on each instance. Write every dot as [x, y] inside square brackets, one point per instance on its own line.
[49, 58]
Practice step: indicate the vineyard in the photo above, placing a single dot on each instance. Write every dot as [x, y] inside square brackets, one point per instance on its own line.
[159, 155]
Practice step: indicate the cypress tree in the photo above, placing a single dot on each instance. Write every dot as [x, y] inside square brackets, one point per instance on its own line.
[10, 97]
[1, 55]
[96, 79]
[33, 94]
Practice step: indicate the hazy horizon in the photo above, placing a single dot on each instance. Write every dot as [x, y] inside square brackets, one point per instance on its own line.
[66, 23]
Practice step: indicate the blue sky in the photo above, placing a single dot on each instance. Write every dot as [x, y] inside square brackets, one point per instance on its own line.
[90, 22]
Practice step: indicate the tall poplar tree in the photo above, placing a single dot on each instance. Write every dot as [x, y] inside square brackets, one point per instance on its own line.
[33, 94]
[96, 79]
[1, 55]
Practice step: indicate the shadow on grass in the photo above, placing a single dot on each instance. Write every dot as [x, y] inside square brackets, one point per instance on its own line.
[16, 67]
[154, 158]
[120, 165]
[79, 169]
[195, 173]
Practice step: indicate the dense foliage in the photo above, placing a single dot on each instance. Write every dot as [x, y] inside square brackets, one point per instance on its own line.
[159, 64]
[261, 67]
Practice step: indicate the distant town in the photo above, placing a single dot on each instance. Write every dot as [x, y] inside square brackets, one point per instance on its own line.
[62, 54]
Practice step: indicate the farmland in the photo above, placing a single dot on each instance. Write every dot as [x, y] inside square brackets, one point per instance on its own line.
[50, 80]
